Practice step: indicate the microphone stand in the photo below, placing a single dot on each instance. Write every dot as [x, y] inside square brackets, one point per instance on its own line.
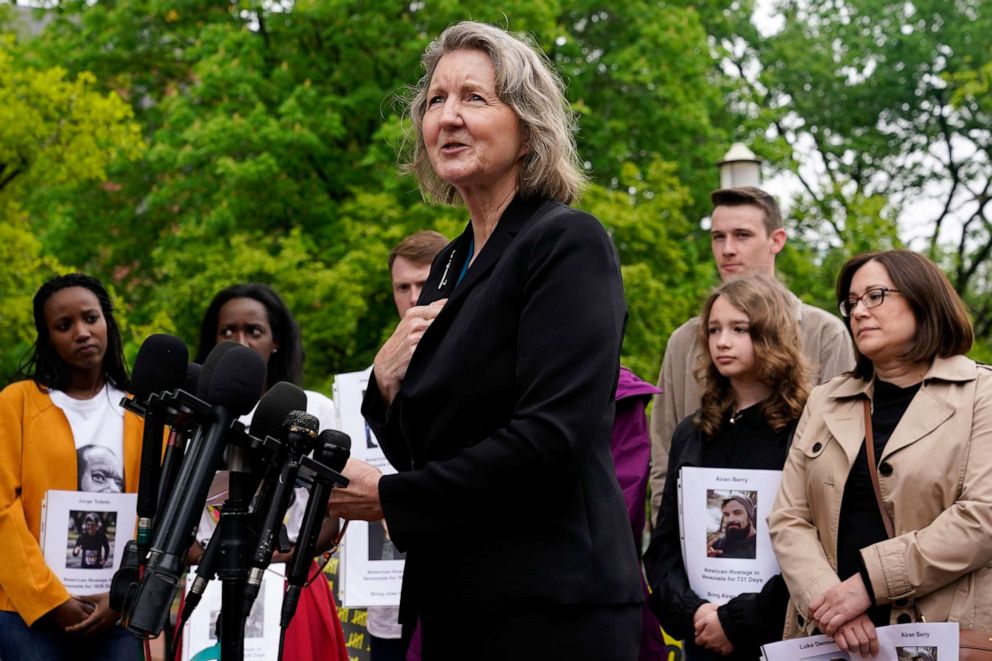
[236, 524]
[236, 535]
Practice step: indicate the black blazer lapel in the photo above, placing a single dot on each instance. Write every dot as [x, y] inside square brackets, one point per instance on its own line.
[444, 275]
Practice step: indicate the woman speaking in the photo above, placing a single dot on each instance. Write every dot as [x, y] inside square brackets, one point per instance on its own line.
[494, 396]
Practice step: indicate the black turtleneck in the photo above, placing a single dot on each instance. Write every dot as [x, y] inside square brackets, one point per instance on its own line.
[746, 441]
[860, 521]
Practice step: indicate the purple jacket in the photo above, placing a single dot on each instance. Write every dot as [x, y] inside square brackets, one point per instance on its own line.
[631, 449]
[631, 446]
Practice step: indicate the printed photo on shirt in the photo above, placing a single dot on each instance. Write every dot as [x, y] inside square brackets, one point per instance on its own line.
[99, 469]
[732, 531]
[91, 539]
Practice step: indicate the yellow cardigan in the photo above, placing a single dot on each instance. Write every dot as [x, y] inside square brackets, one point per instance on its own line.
[37, 453]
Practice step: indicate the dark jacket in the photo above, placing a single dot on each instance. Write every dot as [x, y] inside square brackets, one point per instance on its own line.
[748, 620]
[506, 497]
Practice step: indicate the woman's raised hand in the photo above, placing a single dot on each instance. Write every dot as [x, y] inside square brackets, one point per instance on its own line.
[394, 356]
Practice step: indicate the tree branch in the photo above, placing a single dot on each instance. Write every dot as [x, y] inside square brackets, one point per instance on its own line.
[954, 170]
[4, 180]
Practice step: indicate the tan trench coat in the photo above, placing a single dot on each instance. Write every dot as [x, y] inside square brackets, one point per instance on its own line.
[936, 480]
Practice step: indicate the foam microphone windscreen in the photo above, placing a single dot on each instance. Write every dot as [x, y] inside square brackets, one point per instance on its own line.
[160, 365]
[210, 364]
[335, 448]
[192, 380]
[237, 380]
[273, 408]
[303, 420]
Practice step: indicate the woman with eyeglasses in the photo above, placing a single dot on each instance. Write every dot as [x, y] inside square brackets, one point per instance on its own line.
[908, 430]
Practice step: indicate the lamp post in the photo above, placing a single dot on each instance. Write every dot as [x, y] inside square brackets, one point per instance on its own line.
[739, 167]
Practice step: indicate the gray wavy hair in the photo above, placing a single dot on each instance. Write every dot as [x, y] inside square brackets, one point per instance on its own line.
[528, 84]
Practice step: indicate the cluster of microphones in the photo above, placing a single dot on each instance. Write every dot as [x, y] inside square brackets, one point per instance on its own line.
[199, 408]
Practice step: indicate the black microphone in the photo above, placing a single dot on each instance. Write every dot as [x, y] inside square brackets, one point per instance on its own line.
[275, 405]
[175, 448]
[193, 458]
[234, 383]
[160, 365]
[333, 449]
[299, 432]
[280, 400]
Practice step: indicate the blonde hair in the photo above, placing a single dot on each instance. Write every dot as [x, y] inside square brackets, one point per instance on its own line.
[779, 360]
[527, 83]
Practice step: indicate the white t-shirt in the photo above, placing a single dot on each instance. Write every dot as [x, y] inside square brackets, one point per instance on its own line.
[97, 427]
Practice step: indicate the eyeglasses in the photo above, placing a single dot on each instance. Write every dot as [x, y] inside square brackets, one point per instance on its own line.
[870, 299]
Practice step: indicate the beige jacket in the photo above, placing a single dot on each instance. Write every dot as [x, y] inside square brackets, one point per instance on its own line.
[827, 347]
[936, 480]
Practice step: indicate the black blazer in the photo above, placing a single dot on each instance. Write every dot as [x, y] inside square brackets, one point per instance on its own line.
[507, 497]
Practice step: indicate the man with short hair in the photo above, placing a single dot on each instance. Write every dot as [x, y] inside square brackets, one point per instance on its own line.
[746, 234]
[409, 266]
[737, 524]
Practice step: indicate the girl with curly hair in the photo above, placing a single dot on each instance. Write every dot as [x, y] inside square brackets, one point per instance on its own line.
[755, 384]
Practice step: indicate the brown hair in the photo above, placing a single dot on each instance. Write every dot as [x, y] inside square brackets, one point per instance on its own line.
[420, 247]
[779, 360]
[755, 197]
[525, 81]
[942, 324]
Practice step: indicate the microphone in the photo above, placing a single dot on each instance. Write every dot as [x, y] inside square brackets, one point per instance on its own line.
[175, 448]
[275, 405]
[298, 434]
[160, 365]
[193, 458]
[333, 449]
[231, 382]
[281, 399]
[192, 380]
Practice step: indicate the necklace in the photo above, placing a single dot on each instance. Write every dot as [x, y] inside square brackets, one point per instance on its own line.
[735, 415]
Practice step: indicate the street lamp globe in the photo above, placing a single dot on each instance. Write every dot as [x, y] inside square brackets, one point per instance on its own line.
[740, 167]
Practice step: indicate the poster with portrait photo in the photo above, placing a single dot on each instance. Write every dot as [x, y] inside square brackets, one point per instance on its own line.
[725, 543]
[261, 640]
[371, 569]
[83, 536]
[733, 529]
[91, 539]
[811, 648]
[917, 653]
[381, 548]
[897, 642]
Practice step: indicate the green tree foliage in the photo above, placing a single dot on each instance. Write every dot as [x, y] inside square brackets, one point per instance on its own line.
[880, 110]
[58, 133]
[662, 277]
[273, 133]
[641, 75]
[22, 268]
